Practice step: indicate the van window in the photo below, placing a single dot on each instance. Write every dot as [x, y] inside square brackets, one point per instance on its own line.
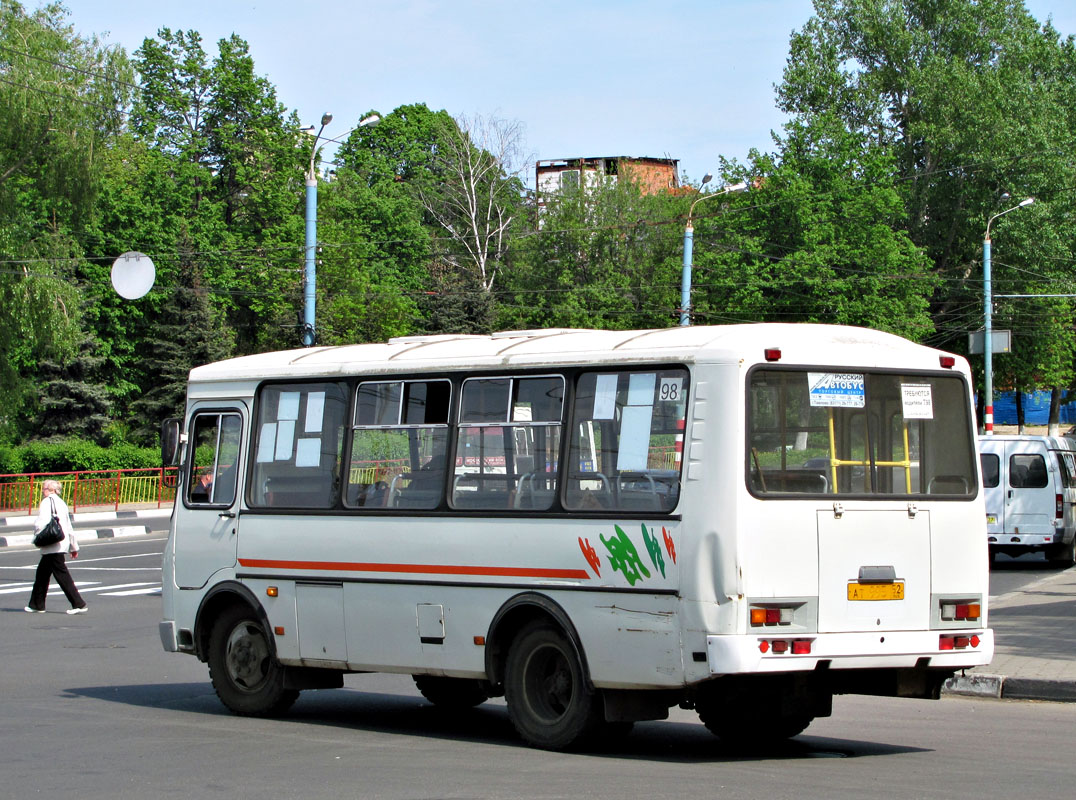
[991, 469]
[1028, 471]
[1070, 470]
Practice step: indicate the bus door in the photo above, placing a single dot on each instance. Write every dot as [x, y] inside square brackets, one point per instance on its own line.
[207, 519]
[874, 561]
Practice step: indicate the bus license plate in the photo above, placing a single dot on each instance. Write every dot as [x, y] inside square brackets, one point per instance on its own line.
[876, 591]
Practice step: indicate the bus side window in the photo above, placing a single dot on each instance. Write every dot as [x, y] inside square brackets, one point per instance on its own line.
[508, 445]
[299, 433]
[214, 458]
[399, 445]
[626, 429]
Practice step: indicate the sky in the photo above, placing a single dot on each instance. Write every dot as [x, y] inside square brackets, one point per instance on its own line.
[691, 80]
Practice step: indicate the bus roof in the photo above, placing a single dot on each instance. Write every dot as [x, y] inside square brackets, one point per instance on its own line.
[799, 343]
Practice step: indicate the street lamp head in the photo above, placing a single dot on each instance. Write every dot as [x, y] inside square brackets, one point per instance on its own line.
[1026, 202]
[326, 118]
[373, 119]
[706, 179]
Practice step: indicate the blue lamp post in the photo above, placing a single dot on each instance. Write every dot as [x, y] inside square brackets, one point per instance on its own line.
[988, 319]
[310, 271]
[689, 237]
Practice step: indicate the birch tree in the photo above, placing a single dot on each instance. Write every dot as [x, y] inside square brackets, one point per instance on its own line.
[479, 198]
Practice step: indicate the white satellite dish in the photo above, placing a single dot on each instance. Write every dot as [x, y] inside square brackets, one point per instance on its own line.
[133, 274]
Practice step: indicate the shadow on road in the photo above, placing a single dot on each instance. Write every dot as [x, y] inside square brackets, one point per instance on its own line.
[664, 741]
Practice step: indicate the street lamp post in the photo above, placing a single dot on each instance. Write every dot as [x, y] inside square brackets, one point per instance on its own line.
[310, 270]
[988, 319]
[689, 237]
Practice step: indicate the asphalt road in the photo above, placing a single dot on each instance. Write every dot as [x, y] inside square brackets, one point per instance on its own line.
[94, 708]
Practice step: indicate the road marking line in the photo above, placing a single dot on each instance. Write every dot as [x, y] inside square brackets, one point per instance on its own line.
[13, 590]
[110, 587]
[130, 592]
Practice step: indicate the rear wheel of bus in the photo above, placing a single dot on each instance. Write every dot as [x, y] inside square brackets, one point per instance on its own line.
[757, 712]
[549, 702]
[246, 676]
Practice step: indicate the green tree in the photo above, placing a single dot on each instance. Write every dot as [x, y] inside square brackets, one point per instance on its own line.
[604, 256]
[184, 335]
[239, 159]
[819, 239]
[60, 100]
[74, 400]
[974, 100]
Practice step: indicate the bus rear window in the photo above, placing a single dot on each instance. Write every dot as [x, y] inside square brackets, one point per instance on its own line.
[857, 433]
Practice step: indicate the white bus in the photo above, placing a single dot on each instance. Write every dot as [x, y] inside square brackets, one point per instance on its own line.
[597, 525]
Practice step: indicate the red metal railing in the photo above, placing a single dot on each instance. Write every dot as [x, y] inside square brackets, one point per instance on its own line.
[97, 488]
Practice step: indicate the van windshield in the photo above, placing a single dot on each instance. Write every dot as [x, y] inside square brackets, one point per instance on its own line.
[859, 433]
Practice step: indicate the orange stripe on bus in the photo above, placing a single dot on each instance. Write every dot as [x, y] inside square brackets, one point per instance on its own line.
[422, 569]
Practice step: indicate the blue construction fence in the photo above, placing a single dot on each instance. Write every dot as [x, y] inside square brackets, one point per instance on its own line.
[1036, 408]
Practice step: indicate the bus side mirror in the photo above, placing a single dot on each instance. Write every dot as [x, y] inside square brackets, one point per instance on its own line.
[170, 441]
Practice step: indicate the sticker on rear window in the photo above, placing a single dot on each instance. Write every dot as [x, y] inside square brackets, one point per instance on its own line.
[916, 401]
[836, 390]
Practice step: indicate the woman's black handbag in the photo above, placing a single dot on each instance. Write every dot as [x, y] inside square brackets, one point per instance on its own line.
[51, 533]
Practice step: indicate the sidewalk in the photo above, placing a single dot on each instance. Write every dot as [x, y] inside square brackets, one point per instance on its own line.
[1034, 644]
[16, 528]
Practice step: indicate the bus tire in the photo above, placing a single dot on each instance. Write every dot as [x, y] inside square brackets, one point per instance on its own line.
[744, 719]
[246, 677]
[455, 694]
[546, 690]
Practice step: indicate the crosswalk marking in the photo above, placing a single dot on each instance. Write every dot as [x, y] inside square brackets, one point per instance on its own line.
[85, 587]
[25, 587]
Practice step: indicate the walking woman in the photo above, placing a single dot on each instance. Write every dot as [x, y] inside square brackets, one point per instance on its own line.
[52, 556]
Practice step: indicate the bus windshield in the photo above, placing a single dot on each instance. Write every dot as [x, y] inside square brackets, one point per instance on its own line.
[861, 433]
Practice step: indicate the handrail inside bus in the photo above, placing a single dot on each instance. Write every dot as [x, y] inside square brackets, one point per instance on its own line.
[835, 462]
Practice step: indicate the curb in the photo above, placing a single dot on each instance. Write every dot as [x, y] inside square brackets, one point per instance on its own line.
[27, 521]
[100, 533]
[1010, 688]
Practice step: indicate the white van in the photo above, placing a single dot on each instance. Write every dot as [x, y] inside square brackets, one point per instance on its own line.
[1030, 484]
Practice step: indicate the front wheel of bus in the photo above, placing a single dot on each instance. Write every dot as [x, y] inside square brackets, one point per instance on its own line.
[247, 678]
[548, 700]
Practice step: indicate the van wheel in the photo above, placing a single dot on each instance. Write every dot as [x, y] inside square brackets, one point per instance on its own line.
[548, 700]
[456, 694]
[1062, 555]
[246, 677]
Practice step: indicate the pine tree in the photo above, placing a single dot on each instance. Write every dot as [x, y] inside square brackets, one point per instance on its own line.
[74, 402]
[185, 335]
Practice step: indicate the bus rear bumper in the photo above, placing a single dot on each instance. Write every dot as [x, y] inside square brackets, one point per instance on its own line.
[754, 653]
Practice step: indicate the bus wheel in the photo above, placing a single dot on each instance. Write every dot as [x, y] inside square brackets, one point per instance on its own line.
[749, 720]
[246, 677]
[546, 691]
[456, 694]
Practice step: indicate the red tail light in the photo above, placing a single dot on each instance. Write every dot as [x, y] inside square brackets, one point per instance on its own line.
[1059, 506]
[957, 642]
